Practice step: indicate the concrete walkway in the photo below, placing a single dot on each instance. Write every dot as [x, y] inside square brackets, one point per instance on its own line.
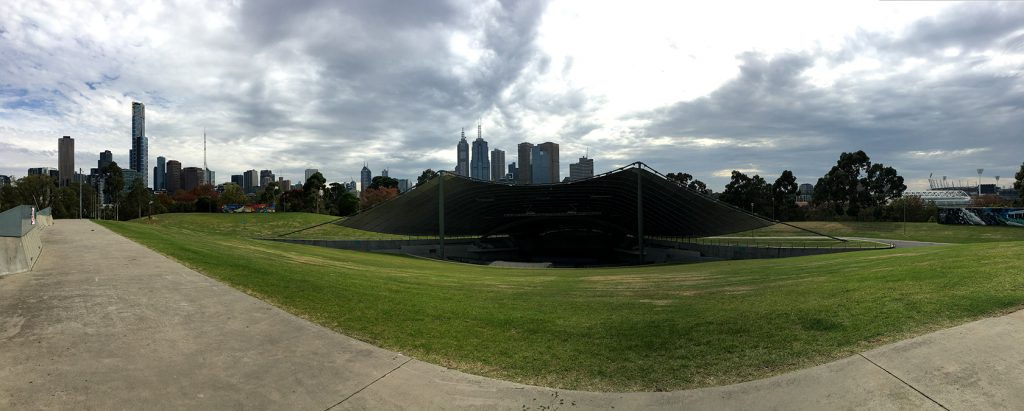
[103, 323]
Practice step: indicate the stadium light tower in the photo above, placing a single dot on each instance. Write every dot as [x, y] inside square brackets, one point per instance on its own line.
[980, 170]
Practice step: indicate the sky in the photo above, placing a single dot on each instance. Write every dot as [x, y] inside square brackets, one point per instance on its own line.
[696, 87]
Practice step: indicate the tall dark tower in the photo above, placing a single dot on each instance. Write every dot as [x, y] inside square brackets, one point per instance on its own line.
[138, 156]
[462, 162]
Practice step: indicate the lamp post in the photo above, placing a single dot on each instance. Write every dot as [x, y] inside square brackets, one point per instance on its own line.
[79, 193]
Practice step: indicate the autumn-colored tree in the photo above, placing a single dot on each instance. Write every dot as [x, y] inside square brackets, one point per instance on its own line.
[373, 196]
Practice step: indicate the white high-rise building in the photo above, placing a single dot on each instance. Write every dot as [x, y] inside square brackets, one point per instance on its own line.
[581, 170]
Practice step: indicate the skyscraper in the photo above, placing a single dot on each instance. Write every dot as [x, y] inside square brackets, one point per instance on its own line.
[540, 160]
[138, 156]
[309, 173]
[513, 172]
[583, 169]
[285, 185]
[237, 180]
[365, 178]
[553, 165]
[160, 174]
[173, 176]
[65, 160]
[106, 158]
[462, 161]
[250, 181]
[384, 173]
[266, 177]
[192, 177]
[524, 165]
[480, 165]
[497, 165]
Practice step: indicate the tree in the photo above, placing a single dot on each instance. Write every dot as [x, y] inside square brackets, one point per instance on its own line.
[784, 192]
[269, 193]
[748, 192]
[313, 189]
[37, 190]
[113, 182]
[340, 201]
[232, 194]
[293, 200]
[1018, 183]
[427, 175]
[383, 182]
[854, 183]
[687, 180]
[373, 196]
[136, 201]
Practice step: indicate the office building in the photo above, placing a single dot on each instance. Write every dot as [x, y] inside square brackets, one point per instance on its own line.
[285, 185]
[384, 173]
[250, 181]
[160, 174]
[462, 159]
[582, 169]
[173, 176]
[211, 177]
[44, 171]
[365, 178]
[138, 156]
[65, 160]
[524, 167]
[130, 177]
[513, 172]
[541, 166]
[480, 164]
[266, 177]
[497, 165]
[552, 158]
[403, 185]
[309, 173]
[192, 178]
[237, 180]
[5, 180]
[106, 158]
[351, 186]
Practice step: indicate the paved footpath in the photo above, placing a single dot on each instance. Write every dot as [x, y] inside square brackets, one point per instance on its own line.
[104, 323]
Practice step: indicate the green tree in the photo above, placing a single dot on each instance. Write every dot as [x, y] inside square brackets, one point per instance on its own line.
[136, 202]
[313, 190]
[427, 175]
[383, 182]
[269, 193]
[687, 180]
[855, 183]
[37, 190]
[113, 183]
[232, 194]
[748, 193]
[1018, 183]
[784, 192]
[341, 202]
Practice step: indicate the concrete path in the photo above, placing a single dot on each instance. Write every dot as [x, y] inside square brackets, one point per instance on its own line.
[103, 323]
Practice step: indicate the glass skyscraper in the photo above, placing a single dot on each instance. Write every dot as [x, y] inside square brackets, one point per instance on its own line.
[138, 156]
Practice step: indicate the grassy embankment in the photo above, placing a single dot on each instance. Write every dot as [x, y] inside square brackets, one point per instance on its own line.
[618, 329]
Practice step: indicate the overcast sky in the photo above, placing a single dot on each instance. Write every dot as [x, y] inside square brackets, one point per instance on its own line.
[700, 87]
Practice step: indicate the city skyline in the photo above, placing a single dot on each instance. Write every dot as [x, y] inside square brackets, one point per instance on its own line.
[788, 99]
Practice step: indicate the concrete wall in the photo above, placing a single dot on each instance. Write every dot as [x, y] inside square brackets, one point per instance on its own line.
[20, 244]
[732, 252]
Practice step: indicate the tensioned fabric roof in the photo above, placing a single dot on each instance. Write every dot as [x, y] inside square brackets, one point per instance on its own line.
[605, 202]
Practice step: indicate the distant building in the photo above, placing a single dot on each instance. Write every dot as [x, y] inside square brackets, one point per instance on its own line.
[191, 178]
[942, 198]
[173, 176]
[237, 180]
[250, 181]
[524, 166]
[403, 185]
[106, 158]
[365, 178]
[65, 160]
[544, 162]
[513, 172]
[462, 158]
[581, 170]
[266, 177]
[480, 164]
[497, 165]
[44, 171]
[805, 192]
[351, 186]
[138, 156]
[160, 174]
[309, 173]
[130, 177]
[285, 185]
[5, 180]
[211, 177]
[384, 173]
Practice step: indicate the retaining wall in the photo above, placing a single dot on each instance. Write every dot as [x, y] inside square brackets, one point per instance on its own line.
[20, 243]
[737, 252]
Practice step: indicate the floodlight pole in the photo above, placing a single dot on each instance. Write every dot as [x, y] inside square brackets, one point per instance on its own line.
[640, 212]
[79, 194]
[440, 211]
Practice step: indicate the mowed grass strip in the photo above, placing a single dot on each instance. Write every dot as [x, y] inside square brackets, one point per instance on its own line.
[617, 329]
[929, 232]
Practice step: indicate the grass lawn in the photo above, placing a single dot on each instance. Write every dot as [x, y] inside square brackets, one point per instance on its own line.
[931, 232]
[616, 329]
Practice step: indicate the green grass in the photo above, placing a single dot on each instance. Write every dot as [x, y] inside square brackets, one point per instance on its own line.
[931, 232]
[616, 329]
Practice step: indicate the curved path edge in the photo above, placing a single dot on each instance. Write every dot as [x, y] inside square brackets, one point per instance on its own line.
[103, 322]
